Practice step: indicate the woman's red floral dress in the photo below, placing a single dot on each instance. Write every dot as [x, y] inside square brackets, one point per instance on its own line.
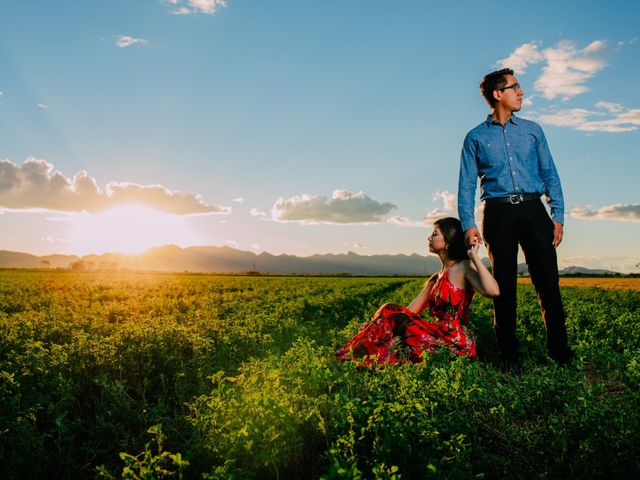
[396, 334]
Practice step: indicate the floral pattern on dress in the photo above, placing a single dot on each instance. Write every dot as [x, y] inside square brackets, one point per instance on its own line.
[397, 335]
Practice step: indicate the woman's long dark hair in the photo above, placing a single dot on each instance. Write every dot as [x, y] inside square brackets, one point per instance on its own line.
[451, 229]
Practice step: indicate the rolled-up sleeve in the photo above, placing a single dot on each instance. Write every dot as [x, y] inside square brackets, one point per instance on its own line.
[467, 182]
[550, 178]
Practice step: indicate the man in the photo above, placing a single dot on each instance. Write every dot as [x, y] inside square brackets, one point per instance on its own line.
[512, 159]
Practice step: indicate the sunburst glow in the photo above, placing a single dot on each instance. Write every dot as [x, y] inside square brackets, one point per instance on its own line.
[130, 229]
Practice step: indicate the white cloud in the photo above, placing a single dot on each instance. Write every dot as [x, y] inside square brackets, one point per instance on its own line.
[522, 56]
[343, 207]
[573, 117]
[183, 11]
[619, 119]
[617, 212]
[124, 41]
[610, 107]
[449, 206]
[567, 67]
[232, 243]
[52, 239]
[35, 185]
[60, 218]
[406, 222]
[630, 116]
[354, 244]
[208, 7]
[256, 212]
[238, 200]
[596, 46]
[43, 106]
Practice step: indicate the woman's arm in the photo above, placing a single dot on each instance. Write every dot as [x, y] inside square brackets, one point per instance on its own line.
[420, 302]
[478, 276]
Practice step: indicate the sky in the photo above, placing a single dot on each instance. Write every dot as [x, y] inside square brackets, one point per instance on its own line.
[302, 127]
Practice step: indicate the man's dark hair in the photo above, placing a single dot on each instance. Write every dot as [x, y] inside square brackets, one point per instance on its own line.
[493, 81]
[451, 229]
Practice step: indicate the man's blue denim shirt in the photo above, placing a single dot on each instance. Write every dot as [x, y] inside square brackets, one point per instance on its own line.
[509, 159]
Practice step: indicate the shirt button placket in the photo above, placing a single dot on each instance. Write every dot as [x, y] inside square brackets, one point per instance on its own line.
[507, 145]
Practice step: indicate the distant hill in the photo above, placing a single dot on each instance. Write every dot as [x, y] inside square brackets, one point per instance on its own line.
[171, 258]
[573, 270]
[26, 260]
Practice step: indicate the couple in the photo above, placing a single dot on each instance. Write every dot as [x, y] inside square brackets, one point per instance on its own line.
[511, 157]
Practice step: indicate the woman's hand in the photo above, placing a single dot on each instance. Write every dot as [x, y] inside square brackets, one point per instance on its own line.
[473, 248]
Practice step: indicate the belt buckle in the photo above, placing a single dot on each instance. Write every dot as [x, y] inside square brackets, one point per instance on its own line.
[515, 199]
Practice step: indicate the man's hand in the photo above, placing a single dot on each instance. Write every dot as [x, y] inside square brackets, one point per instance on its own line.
[557, 233]
[472, 236]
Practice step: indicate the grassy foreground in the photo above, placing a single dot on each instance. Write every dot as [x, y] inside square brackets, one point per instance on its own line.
[161, 376]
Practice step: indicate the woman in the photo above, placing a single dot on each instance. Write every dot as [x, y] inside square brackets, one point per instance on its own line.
[399, 334]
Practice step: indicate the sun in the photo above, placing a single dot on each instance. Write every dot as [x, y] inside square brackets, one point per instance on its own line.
[130, 229]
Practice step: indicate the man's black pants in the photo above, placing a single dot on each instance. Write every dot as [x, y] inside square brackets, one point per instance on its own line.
[528, 224]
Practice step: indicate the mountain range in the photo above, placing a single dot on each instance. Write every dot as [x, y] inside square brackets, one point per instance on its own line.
[171, 258]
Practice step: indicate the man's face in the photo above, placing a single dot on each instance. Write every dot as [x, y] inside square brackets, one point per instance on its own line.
[510, 96]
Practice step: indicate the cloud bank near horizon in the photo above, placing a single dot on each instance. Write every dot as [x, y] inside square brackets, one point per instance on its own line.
[617, 212]
[342, 207]
[615, 264]
[35, 185]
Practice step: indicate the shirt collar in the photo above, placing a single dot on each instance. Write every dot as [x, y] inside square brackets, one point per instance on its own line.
[490, 121]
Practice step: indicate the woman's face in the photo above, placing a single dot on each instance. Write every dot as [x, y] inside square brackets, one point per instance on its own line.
[436, 240]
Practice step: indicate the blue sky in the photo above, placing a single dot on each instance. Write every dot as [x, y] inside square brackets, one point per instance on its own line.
[302, 127]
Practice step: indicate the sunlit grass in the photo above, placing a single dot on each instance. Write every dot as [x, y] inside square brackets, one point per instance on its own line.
[238, 376]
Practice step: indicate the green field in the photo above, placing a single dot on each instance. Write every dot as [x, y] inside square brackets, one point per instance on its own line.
[160, 376]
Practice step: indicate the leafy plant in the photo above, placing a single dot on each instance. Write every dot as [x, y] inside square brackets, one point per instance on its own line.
[151, 464]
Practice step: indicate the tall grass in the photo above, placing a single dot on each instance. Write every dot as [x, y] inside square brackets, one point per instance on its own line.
[153, 376]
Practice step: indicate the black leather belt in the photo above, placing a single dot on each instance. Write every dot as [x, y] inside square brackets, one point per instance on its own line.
[514, 199]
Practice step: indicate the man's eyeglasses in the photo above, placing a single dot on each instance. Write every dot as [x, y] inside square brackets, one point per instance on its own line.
[516, 88]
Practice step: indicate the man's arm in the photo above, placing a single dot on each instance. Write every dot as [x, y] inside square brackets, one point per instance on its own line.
[467, 182]
[553, 188]
[551, 179]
